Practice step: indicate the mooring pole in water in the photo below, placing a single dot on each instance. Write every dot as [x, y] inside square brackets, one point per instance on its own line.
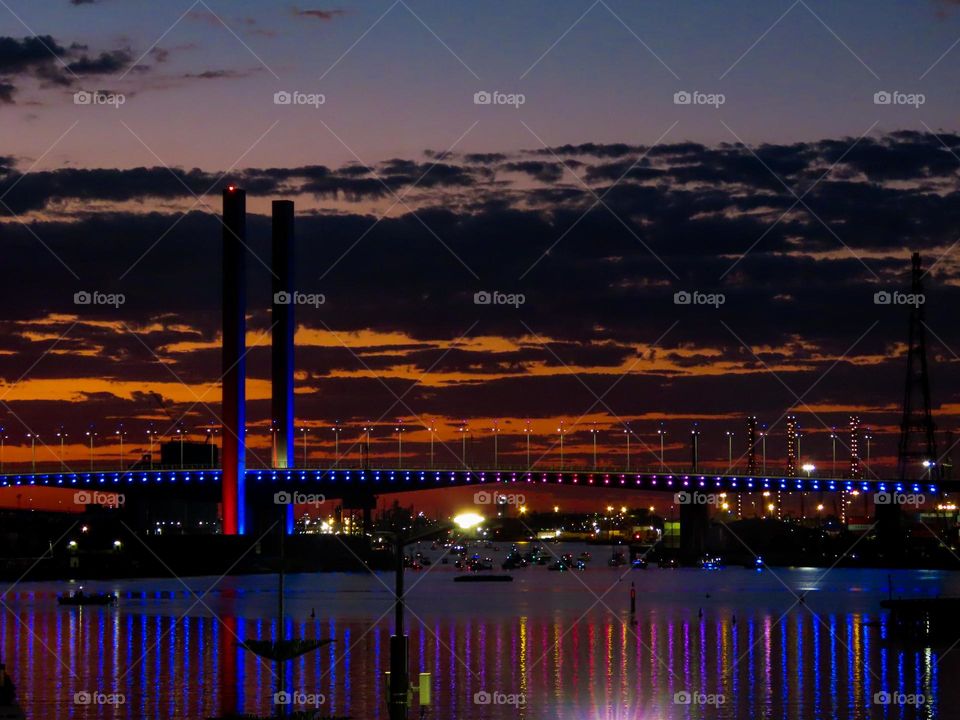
[633, 604]
[399, 684]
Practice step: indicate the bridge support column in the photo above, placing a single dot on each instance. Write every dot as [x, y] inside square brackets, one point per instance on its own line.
[889, 519]
[694, 523]
[283, 328]
[233, 363]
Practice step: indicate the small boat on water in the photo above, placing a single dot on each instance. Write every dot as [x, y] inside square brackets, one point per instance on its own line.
[483, 578]
[617, 560]
[81, 598]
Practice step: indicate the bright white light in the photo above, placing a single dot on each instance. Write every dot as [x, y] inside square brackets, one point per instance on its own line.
[468, 520]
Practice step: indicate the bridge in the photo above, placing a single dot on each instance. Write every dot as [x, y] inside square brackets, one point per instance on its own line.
[358, 488]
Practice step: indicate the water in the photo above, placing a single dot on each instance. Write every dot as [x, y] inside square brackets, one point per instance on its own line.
[561, 643]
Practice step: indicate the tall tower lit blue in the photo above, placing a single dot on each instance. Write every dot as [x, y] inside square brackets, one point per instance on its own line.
[282, 363]
[233, 358]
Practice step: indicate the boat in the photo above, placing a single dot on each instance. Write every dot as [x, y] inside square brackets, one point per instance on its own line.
[712, 563]
[668, 563]
[81, 598]
[513, 561]
[617, 560]
[639, 563]
[483, 578]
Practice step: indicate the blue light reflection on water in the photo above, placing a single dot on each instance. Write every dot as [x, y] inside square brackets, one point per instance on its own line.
[542, 635]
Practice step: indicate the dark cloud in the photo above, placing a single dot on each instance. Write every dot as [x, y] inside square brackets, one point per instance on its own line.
[543, 171]
[325, 15]
[598, 280]
[222, 74]
[53, 64]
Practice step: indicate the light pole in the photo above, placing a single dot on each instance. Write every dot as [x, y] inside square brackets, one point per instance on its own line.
[526, 431]
[273, 442]
[181, 431]
[626, 434]
[833, 440]
[695, 443]
[496, 447]
[763, 446]
[928, 466]
[61, 435]
[593, 432]
[3, 437]
[33, 451]
[662, 432]
[560, 430]
[151, 435]
[365, 446]
[212, 439]
[463, 443]
[336, 442]
[91, 434]
[303, 432]
[729, 435]
[868, 437]
[120, 433]
[432, 429]
[400, 430]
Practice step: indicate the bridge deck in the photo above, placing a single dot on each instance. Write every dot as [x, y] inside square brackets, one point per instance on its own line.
[396, 480]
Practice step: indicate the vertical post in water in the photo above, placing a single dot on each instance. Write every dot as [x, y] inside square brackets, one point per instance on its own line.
[233, 365]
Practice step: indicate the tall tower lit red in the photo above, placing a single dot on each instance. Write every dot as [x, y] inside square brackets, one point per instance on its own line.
[233, 365]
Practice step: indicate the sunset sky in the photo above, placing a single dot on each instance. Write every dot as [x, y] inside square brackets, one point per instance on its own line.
[796, 196]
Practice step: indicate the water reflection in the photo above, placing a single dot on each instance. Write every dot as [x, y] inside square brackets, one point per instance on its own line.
[542, 638]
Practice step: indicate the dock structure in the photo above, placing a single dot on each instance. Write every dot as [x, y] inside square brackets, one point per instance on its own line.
[921, 618]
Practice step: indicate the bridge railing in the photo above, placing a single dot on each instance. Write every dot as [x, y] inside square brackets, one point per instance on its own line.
[707, 471]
